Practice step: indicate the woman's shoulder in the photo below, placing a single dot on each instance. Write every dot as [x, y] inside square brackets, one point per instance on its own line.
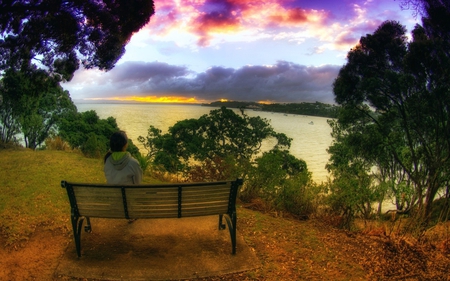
[133, 160]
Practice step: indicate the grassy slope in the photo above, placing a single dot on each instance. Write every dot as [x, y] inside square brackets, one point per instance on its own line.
[31, 194]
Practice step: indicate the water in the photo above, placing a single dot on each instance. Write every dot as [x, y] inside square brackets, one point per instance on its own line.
[311, 135]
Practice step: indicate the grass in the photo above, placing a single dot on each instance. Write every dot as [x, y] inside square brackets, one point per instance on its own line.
[31, 194]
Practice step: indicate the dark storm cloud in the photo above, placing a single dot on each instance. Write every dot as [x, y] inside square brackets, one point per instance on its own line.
[138, 72]
[282, 82]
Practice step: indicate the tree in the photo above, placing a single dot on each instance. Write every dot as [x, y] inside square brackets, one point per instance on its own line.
[354, 152]
[220, 134]
[429, 9]
[33, 103]
[58, 34]
[9, 125]
[408, 87]
[270, 172]
[87, 132]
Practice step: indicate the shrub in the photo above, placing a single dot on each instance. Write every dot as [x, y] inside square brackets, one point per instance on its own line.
[298, 196]
[283, 182]
[94, 147]
[144, 162]
[269, 174]
[56, 143]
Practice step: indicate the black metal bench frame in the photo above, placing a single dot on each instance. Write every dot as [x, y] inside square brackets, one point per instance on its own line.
[203, 205]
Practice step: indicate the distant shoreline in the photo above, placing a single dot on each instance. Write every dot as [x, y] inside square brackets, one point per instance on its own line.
[309, 109]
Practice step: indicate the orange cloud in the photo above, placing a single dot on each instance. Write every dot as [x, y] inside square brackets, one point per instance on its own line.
[293, 16]
[216, 22]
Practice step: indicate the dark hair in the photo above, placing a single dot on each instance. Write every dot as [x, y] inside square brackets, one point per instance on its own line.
[116, 143]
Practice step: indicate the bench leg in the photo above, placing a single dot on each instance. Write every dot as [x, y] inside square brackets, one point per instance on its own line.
[221, 224]
[77, 223]
[231, 221]
[88, 227]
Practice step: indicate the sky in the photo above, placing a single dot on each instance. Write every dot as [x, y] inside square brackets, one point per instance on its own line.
[274, 51]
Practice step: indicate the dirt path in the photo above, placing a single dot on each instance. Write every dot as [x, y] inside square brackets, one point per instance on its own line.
[35, 259]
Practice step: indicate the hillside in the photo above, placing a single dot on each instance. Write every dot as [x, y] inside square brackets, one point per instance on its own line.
[35, 231]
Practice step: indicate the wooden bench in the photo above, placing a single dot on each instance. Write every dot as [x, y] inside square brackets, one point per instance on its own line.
[148, 201]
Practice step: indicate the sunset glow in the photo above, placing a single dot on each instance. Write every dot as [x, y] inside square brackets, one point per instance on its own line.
[148, 99]
[265, 102]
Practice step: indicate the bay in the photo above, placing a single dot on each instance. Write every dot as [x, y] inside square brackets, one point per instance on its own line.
[311, 135]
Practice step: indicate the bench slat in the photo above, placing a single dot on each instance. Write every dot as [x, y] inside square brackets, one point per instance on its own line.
[202, 212]
[159, 196]
[175, 207]
[205, 198]
[174, 190]
[86, 190]
[160, 215]
[99, 213]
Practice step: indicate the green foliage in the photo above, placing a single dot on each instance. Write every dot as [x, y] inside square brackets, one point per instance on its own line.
[224, 145]
[405, 142]
[304, 108]
[218, 135]
[32, 104]
[352, 194]
[143, 161]
[133, 149]
[283, 182]
[269, 174]
[9, 124]
[87, 132]
[62, 34]
[94, 146]
[299, 196]
[216, 169]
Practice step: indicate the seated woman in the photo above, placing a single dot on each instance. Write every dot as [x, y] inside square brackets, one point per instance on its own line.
[120, 167]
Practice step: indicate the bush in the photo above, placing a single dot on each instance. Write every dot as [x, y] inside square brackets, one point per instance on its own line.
[283, 182]
[268, 175]
[94, 147]
[144, 162]
[216, 169]
[56, 143]
[298, 196]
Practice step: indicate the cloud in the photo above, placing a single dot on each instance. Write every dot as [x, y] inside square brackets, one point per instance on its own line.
[210, 23]
[208, 19]
[138, 72]
[281, 82]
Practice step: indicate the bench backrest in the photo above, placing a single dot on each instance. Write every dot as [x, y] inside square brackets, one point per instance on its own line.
[152, 201]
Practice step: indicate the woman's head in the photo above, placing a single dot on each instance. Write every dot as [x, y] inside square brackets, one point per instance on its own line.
[118, 141]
